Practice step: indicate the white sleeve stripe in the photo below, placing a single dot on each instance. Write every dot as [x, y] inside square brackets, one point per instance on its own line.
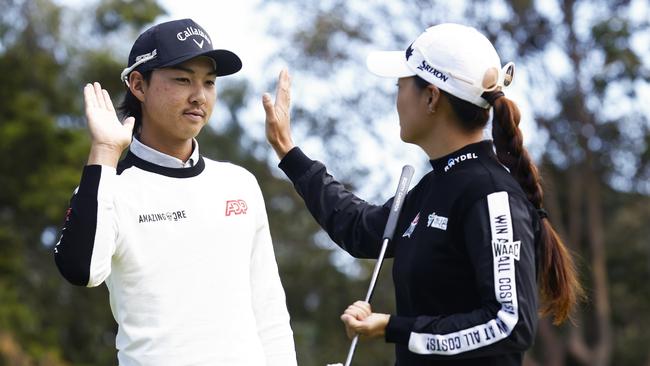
[504, 251]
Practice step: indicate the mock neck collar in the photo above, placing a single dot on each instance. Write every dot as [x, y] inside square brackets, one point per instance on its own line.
[453, 161]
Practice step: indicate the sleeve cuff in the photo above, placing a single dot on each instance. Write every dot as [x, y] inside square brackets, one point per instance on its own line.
[399, 329]
[295, 164]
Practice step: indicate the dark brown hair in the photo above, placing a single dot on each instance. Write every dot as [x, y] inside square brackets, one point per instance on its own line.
[559, 284]
[131, 106]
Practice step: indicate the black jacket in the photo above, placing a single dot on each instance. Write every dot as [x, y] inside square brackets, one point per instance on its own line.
[464, 256]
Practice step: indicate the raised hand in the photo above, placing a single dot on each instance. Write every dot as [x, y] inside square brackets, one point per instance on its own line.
[278, 120]
[109, 136]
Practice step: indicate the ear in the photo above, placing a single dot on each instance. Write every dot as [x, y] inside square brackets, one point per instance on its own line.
[432, 94]
[137, 85]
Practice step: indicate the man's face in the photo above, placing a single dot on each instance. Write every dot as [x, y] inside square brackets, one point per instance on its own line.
[178, 101]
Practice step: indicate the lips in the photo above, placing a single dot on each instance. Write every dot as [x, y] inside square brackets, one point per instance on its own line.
[195, 114]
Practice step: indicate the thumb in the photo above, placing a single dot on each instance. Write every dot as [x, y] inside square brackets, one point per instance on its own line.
[268, 106]
[128, 123]
[350, 320]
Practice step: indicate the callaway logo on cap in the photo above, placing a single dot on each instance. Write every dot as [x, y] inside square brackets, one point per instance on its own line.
[455, 58]
[171, 43]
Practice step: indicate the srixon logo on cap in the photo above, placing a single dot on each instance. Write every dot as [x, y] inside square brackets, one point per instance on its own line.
[191, 31]
[433, 71]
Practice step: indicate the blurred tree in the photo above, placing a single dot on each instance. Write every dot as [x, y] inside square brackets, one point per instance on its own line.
[316, 292]
[586, 77]
[44, 320]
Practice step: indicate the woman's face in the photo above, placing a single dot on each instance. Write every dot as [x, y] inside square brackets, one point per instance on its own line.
[412, 108]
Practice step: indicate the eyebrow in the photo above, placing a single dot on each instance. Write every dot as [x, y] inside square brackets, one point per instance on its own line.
[190, 71]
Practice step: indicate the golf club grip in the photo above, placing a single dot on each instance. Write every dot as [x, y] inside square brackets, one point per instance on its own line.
[398, 201]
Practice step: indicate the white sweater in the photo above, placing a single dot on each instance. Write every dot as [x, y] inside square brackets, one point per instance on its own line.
[188, 260]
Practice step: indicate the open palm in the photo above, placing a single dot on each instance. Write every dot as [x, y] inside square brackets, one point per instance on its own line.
[278, 119]
[105, 128]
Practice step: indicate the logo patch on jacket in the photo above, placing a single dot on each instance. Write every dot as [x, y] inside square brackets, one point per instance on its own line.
[236, 207]
[506, 248]
[436, 221]
[414, 223]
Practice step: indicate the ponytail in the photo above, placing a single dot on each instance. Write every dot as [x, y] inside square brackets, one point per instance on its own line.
[559, 285]
[558, 278]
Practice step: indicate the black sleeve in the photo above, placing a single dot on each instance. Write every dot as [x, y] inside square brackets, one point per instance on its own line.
[88, 229]
[500, 241]
[355, 225]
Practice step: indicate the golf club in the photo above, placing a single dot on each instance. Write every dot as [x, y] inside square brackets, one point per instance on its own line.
[393, 216]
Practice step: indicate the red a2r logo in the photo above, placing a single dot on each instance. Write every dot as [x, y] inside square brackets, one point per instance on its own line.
[237, 207]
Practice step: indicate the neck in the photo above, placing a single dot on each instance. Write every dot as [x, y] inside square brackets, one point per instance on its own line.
[448, 138]
[180, 149]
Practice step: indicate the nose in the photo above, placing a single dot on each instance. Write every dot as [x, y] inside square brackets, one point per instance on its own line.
[198, 95]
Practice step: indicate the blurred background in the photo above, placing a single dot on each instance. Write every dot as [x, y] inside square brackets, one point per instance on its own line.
[582, 82]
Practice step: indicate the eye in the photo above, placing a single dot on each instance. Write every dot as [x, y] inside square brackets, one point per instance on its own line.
[183, 80]
[210, 82]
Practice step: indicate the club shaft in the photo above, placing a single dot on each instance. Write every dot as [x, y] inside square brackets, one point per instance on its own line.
[371, 290]
[398, 200]
[375, 273]
[353, 346]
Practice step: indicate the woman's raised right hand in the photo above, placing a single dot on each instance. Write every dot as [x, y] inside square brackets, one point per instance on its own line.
[278, 120]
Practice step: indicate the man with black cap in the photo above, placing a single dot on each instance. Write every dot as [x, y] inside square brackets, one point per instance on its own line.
[182, 242]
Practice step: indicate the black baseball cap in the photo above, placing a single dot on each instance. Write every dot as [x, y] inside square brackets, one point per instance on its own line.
[174, 42]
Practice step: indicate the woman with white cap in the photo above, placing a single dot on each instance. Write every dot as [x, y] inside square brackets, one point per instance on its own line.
[474, 246]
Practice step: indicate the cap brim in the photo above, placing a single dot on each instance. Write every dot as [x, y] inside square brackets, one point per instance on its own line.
[227, 62]
[390, 64]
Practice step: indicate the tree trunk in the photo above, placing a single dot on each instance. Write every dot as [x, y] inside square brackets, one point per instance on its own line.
[603, 348]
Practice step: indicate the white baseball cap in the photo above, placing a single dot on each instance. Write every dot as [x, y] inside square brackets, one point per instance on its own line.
[456, 58]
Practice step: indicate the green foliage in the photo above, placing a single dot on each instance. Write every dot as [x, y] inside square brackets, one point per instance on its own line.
[628, 258]
[316, 292]
[41, 156]
[584, 71]
[42, 151]
[111, 15]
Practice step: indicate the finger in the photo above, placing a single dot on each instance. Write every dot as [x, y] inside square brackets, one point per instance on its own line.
[89, 97]
[361, 311]
[268, 107]
[349, 330]
[128, 123]
[98, 95]
[364, 305]
[350, 321]
[107, 100]
[357, 313]
[283, 91]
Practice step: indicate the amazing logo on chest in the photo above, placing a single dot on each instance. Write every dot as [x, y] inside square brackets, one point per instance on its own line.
[162, 216]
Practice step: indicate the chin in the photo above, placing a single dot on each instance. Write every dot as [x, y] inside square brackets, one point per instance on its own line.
[192, 131]
[404, 137]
